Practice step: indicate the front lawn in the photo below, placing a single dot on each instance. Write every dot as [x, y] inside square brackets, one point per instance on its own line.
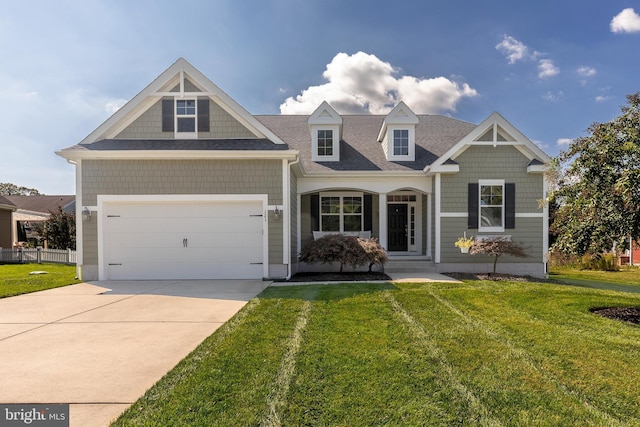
[15, 278]
[476, 353]
[626, 279]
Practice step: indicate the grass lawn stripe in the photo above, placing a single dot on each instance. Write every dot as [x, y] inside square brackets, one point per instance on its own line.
[595, 357]
[478, 410]
[510, 388]
[277, 397]
[359, 366]
[526, 358]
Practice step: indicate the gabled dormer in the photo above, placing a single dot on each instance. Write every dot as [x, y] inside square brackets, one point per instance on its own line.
[325, 125]
[398, 134]
[494, 131]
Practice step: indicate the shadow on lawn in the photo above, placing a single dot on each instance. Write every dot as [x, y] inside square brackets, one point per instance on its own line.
[325, 292]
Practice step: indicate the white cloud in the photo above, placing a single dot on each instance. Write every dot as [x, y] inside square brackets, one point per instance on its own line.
[602, 98]
[553, 97]
[114, 105]
[514, 49]
[564, 141]
[627, 21]
[546, 68]
[362, 83]
[587, 71]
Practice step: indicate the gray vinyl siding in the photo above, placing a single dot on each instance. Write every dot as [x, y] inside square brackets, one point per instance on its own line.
[305, 220]
[137, 177]
[149, 125]
[488, 162]
[528, 232]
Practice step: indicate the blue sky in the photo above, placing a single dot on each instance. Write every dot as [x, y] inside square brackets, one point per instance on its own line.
[550, 67]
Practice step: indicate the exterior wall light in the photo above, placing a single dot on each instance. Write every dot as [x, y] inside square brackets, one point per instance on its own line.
[276, 214]
[86, 214]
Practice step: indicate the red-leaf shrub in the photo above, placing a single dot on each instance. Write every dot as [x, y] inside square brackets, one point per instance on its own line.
[497, 247]
[347, 250]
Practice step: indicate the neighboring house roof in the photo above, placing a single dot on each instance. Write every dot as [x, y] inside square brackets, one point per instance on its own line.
[360, 149]
[6, 204]
[43, 204]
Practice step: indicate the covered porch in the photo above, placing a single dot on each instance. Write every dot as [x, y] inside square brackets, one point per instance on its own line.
[397, 212]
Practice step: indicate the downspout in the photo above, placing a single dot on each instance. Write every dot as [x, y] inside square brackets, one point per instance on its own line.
[288, 204]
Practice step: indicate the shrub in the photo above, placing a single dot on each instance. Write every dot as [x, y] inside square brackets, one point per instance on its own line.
[602, 262]
[347, 250]
[497, 247]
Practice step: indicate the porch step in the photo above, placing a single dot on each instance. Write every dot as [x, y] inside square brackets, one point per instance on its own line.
[418, 265]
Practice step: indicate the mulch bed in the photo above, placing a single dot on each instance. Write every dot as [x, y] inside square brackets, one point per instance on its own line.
[339, 277]
[625, 314]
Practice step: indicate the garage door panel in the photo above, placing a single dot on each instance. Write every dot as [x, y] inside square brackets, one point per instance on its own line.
[166, 271]
[183, 240]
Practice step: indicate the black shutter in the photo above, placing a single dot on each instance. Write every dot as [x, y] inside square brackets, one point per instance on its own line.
[315, 212]
[472, 205]
[368, 212]
[203, 115]
[510, 205]
[167, 115]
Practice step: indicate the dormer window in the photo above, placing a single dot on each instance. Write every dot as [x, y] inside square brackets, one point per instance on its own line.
[401, 142]
[398, 134]
[325, 125]
[325, 142]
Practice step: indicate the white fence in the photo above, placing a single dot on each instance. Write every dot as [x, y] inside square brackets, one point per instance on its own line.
[37, 255]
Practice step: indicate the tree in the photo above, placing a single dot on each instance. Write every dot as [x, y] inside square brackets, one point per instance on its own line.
[496, 247]
[60, 230]
[8, 189]
[597, 185]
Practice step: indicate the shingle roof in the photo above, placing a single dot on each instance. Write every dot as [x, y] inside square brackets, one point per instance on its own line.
[179, 144]
[6, 204]
[44, 204]
[359, 148]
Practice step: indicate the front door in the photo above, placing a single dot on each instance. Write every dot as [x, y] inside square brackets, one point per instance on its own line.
[397, 217]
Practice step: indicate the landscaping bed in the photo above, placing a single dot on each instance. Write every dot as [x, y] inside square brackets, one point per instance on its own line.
[340, 277]
[625, 314]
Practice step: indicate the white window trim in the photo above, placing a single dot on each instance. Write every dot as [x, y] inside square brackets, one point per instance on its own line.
[342, 195]
[335, 129]
[185, 135]
[412, 143]
[490, 182]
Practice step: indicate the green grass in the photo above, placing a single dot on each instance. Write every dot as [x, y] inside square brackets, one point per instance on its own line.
[626, 279]
[476, 353]
[15, 278]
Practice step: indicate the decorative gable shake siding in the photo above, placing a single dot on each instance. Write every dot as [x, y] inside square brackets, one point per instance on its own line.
[163, 177]
[500, 163]
[221, 124]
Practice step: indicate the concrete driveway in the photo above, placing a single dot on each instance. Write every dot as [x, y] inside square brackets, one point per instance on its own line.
[99, 347]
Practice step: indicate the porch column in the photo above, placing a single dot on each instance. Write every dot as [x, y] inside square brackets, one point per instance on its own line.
[382, 214]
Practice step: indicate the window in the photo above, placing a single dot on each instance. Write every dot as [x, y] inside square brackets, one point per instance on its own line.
[186, 115]
[491, 206]
[341, 213]
[401, 142]
[325, 142]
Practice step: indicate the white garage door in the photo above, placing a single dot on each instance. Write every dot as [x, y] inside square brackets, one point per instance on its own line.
[183, 240]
